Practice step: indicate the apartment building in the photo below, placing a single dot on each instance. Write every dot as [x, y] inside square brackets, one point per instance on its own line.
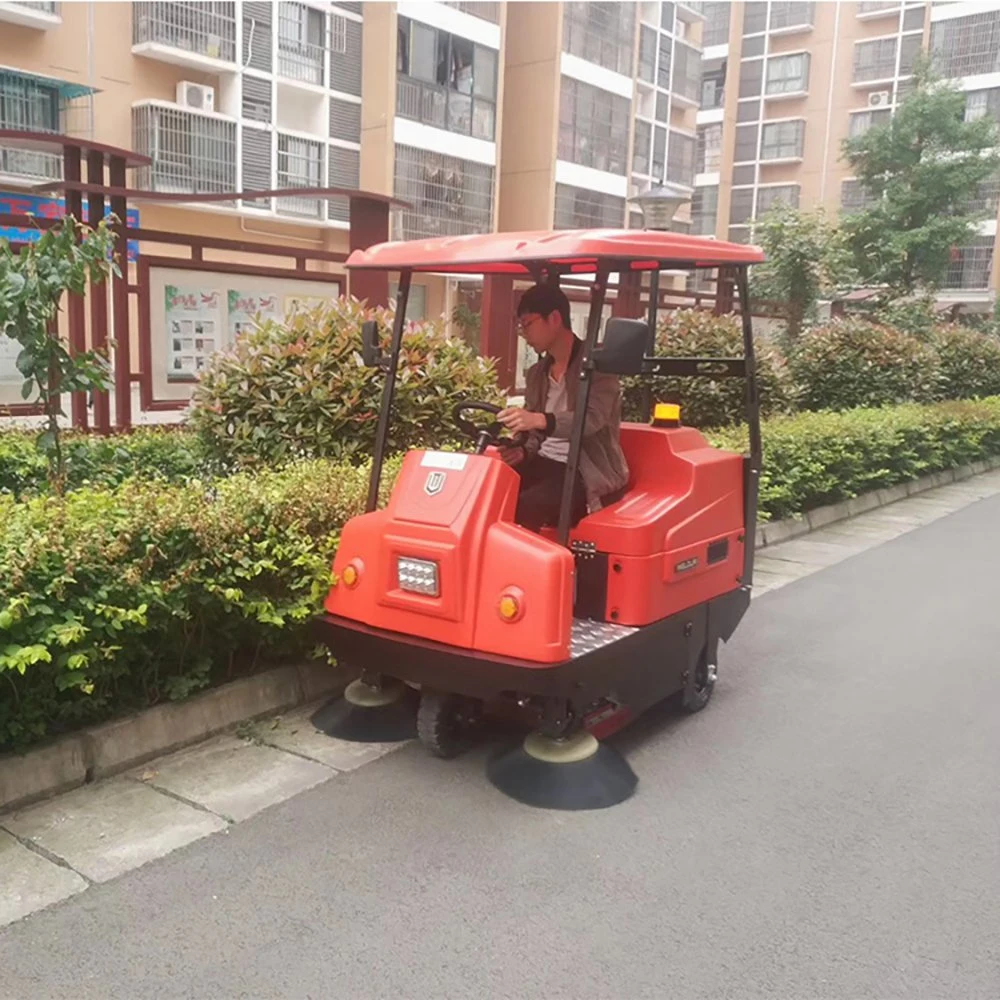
[784, 83]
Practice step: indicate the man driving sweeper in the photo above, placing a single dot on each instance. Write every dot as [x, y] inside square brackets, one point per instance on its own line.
[544, 424]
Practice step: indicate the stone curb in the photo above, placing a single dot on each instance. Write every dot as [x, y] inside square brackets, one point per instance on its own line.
[116, 746]
[774, 532]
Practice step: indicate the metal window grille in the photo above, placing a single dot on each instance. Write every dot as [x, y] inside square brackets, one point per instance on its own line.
[862, 121]
[878, 7]
[257, 146]
[740, 206]
[986, 200]
[971, 266]
[642, 147]
[716, 29]
[256, 100]
[875, 60]
[647, 54]
[191, 153]
[664, 62]
[578, 208]
[300, 164]
[345, 120]
[593, 126]
[302, 36]
[910, 47]
[792, 14]
[42, 6]
[982, 104]
[258, 50]
[344, 172]
[477, 8]
[354, 6]
[206, 28]
[680, 159]
[967, 46]
[600, 33]
[338, 34]
[768, 197]
[705, 210]
[855, 197]
[449, 196]
[782, 140]
[31, 105]
[687, 72]
[787, 74]
[913, 19]
[345, 67]
[709, 149]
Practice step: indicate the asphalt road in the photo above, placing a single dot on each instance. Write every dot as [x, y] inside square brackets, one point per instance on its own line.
[828, 828]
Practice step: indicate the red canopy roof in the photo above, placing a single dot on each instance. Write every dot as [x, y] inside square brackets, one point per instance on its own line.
[577, 251]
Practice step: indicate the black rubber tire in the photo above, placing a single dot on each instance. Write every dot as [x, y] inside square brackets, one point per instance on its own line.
[447, 723]
[694, 699]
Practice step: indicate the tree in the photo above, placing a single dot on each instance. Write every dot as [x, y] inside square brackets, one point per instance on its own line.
[805, 258]
[33, 284]
[921, 170]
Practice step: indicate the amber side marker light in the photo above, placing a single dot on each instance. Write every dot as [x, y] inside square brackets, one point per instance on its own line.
[511, 606]
[350, 576]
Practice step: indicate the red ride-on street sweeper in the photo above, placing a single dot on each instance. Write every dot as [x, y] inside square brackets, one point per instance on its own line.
[578, 628]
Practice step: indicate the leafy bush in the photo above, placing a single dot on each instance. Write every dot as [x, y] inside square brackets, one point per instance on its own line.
[969, 362]
[812, 459]
[112, 599]
[708, 402]
[149, 453]
[915, 316]
[297, 389]
[851, 363]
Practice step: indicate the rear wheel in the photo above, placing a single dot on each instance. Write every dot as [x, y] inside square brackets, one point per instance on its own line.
[697, 695]
[447, 723]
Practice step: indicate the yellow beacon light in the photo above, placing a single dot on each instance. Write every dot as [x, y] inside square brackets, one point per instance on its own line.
[667, 415]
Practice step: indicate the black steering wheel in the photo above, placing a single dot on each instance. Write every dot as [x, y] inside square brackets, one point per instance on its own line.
[483, 435]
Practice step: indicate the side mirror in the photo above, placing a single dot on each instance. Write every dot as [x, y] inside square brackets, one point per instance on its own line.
[624, 347]
[371, 351]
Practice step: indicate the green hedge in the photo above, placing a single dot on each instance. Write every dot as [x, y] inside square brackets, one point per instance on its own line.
[812, 459]
[114, 598]
[148, 453]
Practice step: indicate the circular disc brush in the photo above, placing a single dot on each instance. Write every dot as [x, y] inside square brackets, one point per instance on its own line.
[573, 773]
[367, 714]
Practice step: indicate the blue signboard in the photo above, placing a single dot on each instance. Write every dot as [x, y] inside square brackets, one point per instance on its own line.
[14, 203]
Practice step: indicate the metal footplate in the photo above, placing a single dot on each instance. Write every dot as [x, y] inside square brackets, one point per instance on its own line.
[588, 636]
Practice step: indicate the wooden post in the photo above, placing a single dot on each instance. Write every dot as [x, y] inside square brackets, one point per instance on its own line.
[75, 307]
[724, 298]
[497, 336]
[119, 303]
[98, 293]
[369, 225]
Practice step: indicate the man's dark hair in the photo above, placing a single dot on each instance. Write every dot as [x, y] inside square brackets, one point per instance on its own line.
[545, 299]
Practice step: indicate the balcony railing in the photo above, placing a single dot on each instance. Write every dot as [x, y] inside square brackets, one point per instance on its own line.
[301, 56]
[40, 5]
[477, 8]
[871, 7]
[713, 95]
[205, 29]
[444, 108]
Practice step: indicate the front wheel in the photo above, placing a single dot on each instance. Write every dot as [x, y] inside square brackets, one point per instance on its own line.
[447, 723]
[697, 695]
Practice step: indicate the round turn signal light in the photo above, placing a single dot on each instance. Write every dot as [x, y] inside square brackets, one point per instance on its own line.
[511, 605]
[350, 576]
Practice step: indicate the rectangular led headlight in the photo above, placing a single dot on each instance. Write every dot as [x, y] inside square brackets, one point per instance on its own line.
[418, 576]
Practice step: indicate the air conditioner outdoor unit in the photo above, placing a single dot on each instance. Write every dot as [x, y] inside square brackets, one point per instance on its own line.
[879, 99]
[196, 96]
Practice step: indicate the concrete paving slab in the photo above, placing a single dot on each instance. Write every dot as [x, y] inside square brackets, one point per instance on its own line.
[813, 553]
[780, 569]
[296, 734]
[861, 532]
[112, 827]
[29, 882]
[234, 778]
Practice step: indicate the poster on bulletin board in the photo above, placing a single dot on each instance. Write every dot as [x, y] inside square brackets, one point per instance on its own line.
[193, 329]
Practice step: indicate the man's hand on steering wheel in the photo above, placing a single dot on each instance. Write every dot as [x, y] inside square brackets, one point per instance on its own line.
[521, 421]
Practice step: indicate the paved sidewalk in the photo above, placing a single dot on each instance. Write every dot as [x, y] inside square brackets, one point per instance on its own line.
[58, 848]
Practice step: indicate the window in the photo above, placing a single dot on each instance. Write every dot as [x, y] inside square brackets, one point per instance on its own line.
[746, 143]
[967, 46]
[909, 48]
[28, 104]
[855, 197]
[664, 64]
[768, 197]
[600, 32]
[704, 210]
[709, 149]
[862, 121]
[301, 42]
[787, 74]
[875, 60]
[744, 175]
[716, 29]
[416, 301]
[647, 54]
[986, 200]
[659, 152]
[782, 140]
[593, 126]
[971, 266]
[680, 159]
[740, 206]
[300, 164]
[448, 196]
[662, 107]
[577, 208]
[446, 81]
[751, 77]
[982, 104]
[913, 19]
[791, 14]
[754, 17]
[713, 90]
[207, 28]
[641, 147]
[687, 71]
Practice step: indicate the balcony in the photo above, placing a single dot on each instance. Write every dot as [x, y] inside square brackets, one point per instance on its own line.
[192, 152]
[713, 94]
[477, 8]
[302, 35]
[444, 108]
[30, 15]
[199, 36]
